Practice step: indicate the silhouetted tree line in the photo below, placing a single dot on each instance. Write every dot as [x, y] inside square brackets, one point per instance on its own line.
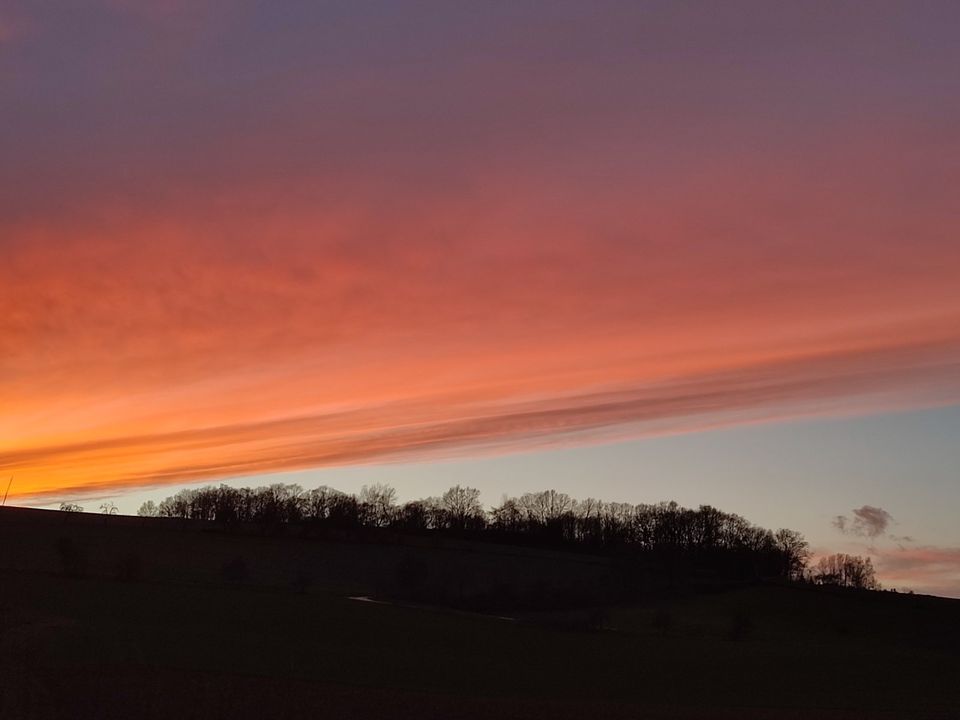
[843, 570]
[664, 533]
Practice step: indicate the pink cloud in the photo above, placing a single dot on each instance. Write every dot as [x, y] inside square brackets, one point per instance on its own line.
[927, 569]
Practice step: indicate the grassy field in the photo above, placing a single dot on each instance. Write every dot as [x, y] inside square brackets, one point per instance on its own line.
[181, 632]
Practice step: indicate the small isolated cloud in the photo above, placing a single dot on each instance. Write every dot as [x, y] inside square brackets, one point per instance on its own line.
[872, 521]
[867, 521]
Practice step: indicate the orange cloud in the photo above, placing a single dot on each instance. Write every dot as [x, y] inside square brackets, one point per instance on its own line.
[143, 346]
[229, 248]
[490, 418]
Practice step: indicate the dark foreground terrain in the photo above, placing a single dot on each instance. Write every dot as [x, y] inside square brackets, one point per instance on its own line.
[106, 617]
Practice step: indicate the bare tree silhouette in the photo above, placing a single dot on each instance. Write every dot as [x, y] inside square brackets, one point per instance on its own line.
[377, 503]
[666, 535]
[843, 570]
[461, 507]
[148, 509]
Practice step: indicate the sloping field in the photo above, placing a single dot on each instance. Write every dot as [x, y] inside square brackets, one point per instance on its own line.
[187, 634]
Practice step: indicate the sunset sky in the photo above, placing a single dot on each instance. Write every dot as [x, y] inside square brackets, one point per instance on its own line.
[631, 250]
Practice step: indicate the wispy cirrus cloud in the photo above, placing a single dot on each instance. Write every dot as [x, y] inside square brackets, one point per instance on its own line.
[489, 421]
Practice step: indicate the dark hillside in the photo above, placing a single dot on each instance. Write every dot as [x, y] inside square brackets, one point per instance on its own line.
[128, 617]
[362, 562]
